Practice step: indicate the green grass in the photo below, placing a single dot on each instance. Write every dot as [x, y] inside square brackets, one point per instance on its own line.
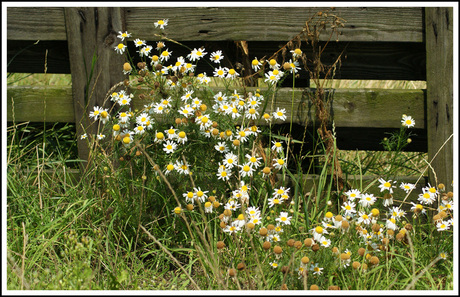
[65, 233]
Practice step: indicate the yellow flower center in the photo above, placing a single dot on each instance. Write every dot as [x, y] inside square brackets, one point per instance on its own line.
[255, 62]
[170, 167]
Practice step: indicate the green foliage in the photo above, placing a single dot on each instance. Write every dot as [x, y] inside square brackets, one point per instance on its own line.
[130, 222]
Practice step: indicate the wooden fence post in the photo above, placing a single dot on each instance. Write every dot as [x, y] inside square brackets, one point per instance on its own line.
[439, 77]
[92, 35]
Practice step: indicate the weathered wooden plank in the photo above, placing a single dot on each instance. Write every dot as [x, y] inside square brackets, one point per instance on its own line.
[369, 60]
[440, 117]
[231, 23]
[349, 107]
[40, 104]
[95, 66]
[35, 23]
[275, 23]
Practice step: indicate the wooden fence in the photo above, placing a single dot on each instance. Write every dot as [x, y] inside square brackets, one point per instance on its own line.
[379, 43]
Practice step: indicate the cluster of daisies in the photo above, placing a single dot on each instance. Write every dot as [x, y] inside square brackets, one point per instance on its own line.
[189, 109]
[359, 212]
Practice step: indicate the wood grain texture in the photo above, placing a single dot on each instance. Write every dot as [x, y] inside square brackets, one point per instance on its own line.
[231, 23]
[275, 23]
[35, 23]
[439, 47]
[40, 104]
[94, 64]
[349, 107]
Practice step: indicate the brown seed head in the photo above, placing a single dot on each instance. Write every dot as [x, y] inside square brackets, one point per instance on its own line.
[227, 212]
[223, 224]
[361, 251]
[277, 249]
[442, 214]
[314, 287]
[190, 206]
[385, 241]
[315, 247]
[266, 245]
[408, 227]
[356, 265]
[334, 288]
[400, 236]
[308, 242]
[344, 256]
[232, 272]
[450, 194]
[291, 242]
[305, 260]
[263, 231]
[240, 266]
[376, 227]
[220, 245]
[374, 260]
[270, 227]
[345, 225]
[286, 66]
[298, 244]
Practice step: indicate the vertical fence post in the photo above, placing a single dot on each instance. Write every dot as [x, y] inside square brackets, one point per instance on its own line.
[94, 64]
[439, 76]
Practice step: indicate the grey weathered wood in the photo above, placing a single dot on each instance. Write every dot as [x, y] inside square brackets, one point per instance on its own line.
[40, 104]
[35, 23]
[276, 23]
[231, 23]
[92, 31]
[439, 47]
[349, 107]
